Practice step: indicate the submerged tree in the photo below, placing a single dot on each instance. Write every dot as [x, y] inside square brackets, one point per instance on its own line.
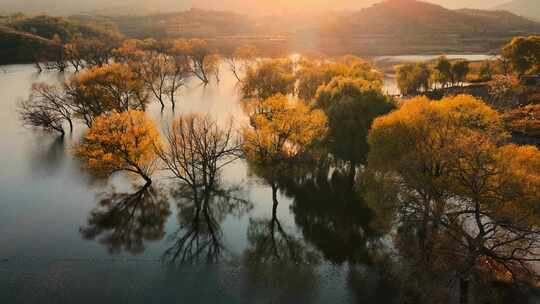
[101, 90]
[162, 65]
[197, 149]
[241, 59]
[282, 129]
[121, 142]
[46, 108]
[203, 60]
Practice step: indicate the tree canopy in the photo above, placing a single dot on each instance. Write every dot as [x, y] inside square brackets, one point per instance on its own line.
[123, 141]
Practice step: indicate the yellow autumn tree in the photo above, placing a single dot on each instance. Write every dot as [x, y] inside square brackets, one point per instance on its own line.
[101, 90]
[313, 74]
[459, 180]
[117, 142]
[282, 129]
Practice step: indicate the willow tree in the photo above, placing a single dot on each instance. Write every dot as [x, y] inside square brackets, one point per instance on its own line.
[119, 142]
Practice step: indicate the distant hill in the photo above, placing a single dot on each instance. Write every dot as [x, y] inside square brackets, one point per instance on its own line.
[526, 8]
[47, 27]
[20, 47]
[140, 7]
[413, 17]
[396, 26]
[23, 38]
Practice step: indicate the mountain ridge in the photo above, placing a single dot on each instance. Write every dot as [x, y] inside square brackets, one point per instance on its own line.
[526, 8]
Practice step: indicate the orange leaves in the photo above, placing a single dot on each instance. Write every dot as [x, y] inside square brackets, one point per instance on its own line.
[120, 142]
[103, 89]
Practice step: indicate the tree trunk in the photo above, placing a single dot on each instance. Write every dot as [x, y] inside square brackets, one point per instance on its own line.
[352, 174]
[70, 122]
[463, 291]
[274, 200]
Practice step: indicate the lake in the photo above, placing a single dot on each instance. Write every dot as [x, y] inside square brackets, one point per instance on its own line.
[48, 210]
[64, 240]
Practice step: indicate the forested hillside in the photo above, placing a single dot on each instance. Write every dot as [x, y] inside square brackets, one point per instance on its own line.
[24, 38]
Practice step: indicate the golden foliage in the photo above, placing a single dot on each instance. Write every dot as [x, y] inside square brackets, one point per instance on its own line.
[453, 166]
[120, 142]
[101, 90]
[312, 74]
[282, 129]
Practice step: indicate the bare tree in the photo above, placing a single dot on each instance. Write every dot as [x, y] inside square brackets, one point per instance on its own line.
[203, 61]
[197, 149]
[155, 70]
[178, 73]
[241, 59]
[46, 108]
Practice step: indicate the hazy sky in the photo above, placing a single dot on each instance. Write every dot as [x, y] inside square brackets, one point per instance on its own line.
[73, 6]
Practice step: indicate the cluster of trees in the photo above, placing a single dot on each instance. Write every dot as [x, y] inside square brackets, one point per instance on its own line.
[509, 93]
[124, 78]
[330, 101]
[467, 196]
[416, 78]
[523, 54]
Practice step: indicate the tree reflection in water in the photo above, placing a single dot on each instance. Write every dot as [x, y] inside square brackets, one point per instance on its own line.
[334, 218]
[277, 261]
[201, 210]
[125, 221]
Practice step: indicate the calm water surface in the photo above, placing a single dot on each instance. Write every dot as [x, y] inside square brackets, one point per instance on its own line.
[54, 248]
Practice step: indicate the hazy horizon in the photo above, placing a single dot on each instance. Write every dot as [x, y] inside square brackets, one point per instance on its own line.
[59, 7]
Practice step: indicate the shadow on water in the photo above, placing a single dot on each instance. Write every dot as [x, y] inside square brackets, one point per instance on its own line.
[125, 221]
[201, 212]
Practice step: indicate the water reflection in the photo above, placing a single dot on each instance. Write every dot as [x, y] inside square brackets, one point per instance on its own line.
[50, 155]
[332, 216]
[125, 221]
[201, 211]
